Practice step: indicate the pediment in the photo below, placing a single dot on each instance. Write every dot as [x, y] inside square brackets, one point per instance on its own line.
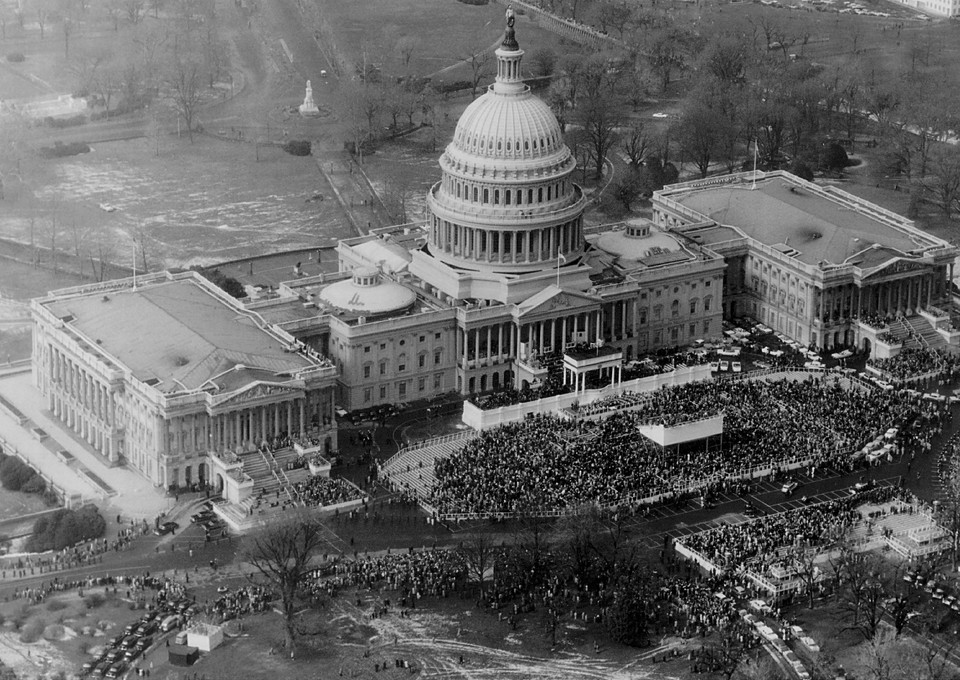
[554, 301]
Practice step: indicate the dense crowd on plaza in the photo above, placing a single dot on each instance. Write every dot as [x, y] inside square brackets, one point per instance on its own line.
[912, 362]
[320, 491]
[549, 463]
[764, 541]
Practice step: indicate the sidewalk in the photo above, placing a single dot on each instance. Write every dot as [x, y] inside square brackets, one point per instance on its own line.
[354, 192]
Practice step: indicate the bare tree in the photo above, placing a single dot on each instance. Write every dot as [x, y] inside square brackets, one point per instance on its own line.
[406, 47]
[478, 551]
[185, 82]
[943, 184]
[134, 10]
[478, 58]
[281, 553]
[599, 116]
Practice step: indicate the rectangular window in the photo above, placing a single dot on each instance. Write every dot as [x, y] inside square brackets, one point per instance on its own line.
[402, 390]
[693, 330]
[383, 391]
[383, 368]
[366, 371]
[421, 383]
[422, 360]
[422, 338]
[436, 358]
[706, 327]
[437, 380]
[436, 336]
[367, 394]
[366, 350]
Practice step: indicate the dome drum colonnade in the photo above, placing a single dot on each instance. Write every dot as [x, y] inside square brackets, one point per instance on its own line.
[506, 201]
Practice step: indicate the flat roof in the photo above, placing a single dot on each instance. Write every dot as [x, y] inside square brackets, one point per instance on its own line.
[813, 226]
[180, 335]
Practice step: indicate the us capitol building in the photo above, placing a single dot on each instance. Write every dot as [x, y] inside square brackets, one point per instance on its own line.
[502, 287]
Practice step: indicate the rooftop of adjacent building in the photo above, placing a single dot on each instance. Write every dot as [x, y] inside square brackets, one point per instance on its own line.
[811, 223]
[179, 334]
[639, 244]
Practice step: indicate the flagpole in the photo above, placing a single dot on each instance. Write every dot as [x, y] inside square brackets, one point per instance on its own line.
[755, 148]
[134, 265]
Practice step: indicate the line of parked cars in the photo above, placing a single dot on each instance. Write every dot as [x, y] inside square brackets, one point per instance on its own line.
[126, 647]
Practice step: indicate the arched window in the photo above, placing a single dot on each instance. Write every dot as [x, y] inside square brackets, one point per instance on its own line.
[474, 194]
[486, 195]
[496, 197]
[657, 312]
[506, 195]
[540, 195]
[693, 305]
[675, 308]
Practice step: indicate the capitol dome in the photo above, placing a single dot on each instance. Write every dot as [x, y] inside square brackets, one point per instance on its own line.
[506, 202]
[367, 294]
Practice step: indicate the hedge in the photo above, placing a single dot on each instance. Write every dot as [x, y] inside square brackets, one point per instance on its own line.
[297, 147]
[15, 475]
[61, 150]
[64, 528]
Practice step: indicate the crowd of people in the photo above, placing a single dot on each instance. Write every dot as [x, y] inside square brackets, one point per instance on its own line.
[319, 491]
[549, 463]
[912, 362]
[413, 574]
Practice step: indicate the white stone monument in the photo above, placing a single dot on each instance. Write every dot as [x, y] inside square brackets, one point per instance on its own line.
[308, 108]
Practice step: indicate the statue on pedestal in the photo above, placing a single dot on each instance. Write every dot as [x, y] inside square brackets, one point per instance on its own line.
[308, 108]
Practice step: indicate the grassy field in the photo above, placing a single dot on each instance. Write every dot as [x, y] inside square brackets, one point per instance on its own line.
[195, 203]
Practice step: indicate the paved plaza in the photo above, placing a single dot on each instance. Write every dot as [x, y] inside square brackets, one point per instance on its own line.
[134, 496]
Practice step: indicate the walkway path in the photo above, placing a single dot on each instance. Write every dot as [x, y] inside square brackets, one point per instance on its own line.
[136, 497]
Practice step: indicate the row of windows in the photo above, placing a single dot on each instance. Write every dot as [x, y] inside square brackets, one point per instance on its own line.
[694, 307]
[673, 335]
[384, 390]
[488, 196]
[481, 142]
[708, 283]
[402, 363]
[402, 342]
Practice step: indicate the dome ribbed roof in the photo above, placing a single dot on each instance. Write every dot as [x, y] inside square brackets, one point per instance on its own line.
[508, 126]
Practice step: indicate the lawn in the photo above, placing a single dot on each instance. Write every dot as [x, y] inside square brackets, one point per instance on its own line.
[62, 632]
[197, 203]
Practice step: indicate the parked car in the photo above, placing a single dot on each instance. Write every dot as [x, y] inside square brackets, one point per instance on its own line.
[166, 528]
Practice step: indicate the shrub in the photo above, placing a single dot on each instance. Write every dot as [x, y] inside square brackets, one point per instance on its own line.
[32, 631]
[34, 485]
[227, 284]
[14, 473]
[60, 123]
[61, 150]
[66, 527]
[297, 147]
[475, 2]
[94, 600]
[56, 605]
[16, 57]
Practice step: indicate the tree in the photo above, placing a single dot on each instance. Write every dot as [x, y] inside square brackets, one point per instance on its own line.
[134, 10]
[729, 649]
[478, 58]
[185, 83]
[701, 133]
[544, 61]
[478, 551]
[942, 186]
[280, 553]
[636, 143]
[406, 47]
[599, 116]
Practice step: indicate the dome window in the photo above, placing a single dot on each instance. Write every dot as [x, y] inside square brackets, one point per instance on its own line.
[508, 145]
[526, 145]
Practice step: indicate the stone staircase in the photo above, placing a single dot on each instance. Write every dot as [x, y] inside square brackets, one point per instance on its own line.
[928, 336]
